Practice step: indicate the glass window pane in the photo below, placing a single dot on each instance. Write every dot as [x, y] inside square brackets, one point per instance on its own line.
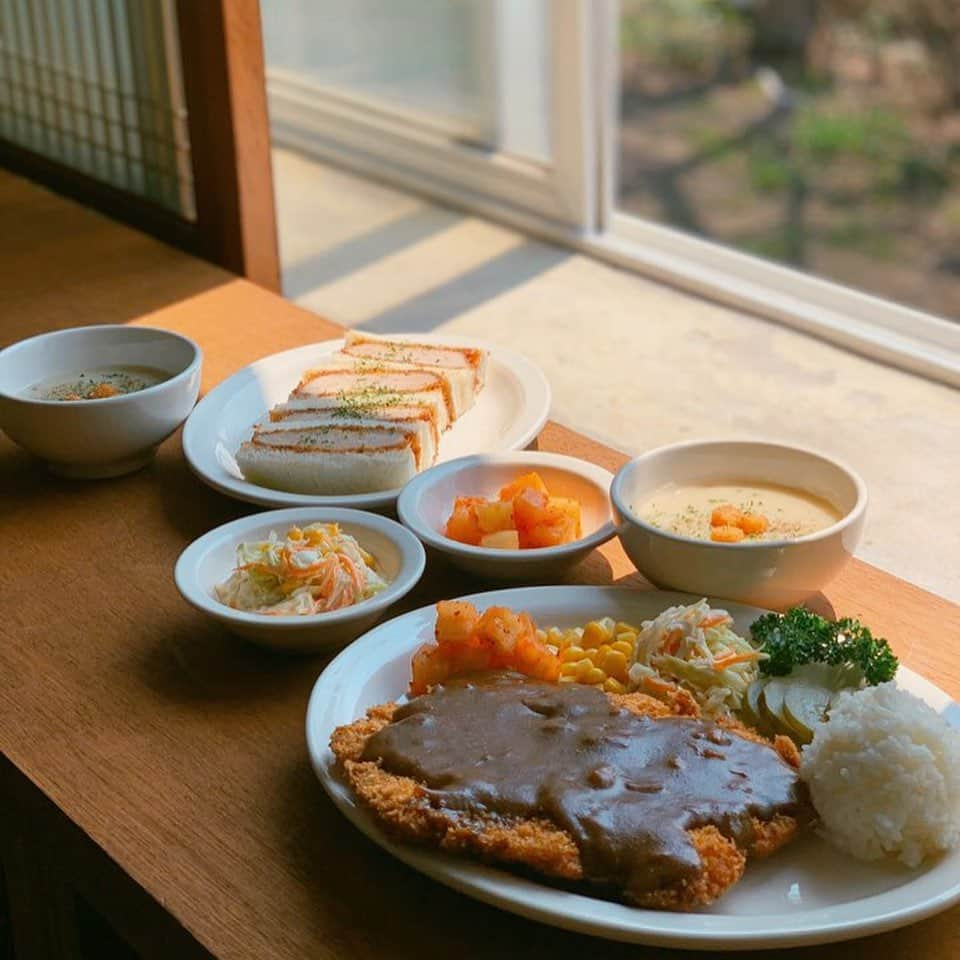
[479, 66]
[821, 133]
[418, 54]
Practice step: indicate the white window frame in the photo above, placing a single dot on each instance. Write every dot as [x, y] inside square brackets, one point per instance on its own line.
[572, 199]
[445, 162]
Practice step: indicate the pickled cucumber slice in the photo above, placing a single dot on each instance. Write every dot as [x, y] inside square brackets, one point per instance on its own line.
[805, 705]
[793, 705]
[750, 710]
[772, 701]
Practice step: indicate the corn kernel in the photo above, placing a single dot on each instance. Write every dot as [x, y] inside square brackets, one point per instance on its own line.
[597, 654]
[594, 675]
[584, 667]
[594, 633]
[621, 646]
[294, 533]
[614, 663]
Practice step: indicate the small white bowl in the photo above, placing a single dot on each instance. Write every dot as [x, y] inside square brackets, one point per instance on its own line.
[106, 437]
[210, 559]
[772, 573]
[427, 500]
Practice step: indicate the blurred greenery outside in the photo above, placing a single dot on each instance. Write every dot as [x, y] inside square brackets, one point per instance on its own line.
[820, 133]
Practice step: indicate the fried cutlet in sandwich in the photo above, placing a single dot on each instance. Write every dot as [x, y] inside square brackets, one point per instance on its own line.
[641, 799]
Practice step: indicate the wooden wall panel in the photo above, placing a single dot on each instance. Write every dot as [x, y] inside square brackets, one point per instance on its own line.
[221, 45]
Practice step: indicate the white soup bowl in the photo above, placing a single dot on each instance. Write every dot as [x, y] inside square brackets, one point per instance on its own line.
[765, 573]
[105, 437]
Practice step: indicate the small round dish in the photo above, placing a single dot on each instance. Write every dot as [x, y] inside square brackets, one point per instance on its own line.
[768, 573]
[210, 559]
[426, 501]
[105, 437]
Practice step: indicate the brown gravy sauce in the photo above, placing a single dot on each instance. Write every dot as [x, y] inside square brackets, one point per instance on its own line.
[626, 788]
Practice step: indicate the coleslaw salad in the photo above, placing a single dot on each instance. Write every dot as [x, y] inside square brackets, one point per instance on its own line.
[311, 570]
[695, 647]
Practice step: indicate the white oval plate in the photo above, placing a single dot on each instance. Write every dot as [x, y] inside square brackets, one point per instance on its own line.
[807, 893]
[509, 413]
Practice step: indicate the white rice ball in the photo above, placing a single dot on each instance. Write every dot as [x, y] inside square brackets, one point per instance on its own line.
[884, 776]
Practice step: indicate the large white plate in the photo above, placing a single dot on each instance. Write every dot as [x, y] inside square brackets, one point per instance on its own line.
[807, 893]
[509, 413]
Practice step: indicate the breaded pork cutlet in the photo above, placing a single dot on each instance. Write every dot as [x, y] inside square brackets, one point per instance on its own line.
[406, 809]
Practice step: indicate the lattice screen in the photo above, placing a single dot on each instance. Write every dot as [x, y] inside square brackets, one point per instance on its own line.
[96, 85]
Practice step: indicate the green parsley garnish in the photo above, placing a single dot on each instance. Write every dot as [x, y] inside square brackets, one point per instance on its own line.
[800, 636]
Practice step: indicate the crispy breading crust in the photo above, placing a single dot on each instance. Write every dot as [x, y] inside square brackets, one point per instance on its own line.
[404, 809]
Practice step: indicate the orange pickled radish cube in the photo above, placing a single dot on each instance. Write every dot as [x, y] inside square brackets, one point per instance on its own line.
[548, 535]
[753, 523]
[457, 622]
[528, 508]
[543, 522]
[427, 668]
[569, 507]
[501, 540]
[463, 524]
[503, 628]
[547, 668]
[726, 515]
[480, 656]
[535, 660]
[529, 481]
[726, 534]
[467, 641]
[495, 515]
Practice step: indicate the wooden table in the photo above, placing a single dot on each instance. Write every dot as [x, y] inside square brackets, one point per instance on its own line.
[154, 779]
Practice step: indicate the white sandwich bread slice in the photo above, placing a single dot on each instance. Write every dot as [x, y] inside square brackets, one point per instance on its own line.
[415, 420]
[346, 385]
[330, 460]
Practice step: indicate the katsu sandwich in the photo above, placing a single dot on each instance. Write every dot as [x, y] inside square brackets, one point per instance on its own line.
[365, 418]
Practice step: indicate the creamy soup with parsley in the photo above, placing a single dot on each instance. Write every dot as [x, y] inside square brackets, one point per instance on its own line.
[736, 512]
[97, 384]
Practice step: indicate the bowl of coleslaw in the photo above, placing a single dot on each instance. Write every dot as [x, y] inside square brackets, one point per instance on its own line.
[304, 579]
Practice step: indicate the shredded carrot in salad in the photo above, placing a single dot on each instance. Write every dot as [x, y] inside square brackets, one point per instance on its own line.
[695, 647]
[312, 570]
